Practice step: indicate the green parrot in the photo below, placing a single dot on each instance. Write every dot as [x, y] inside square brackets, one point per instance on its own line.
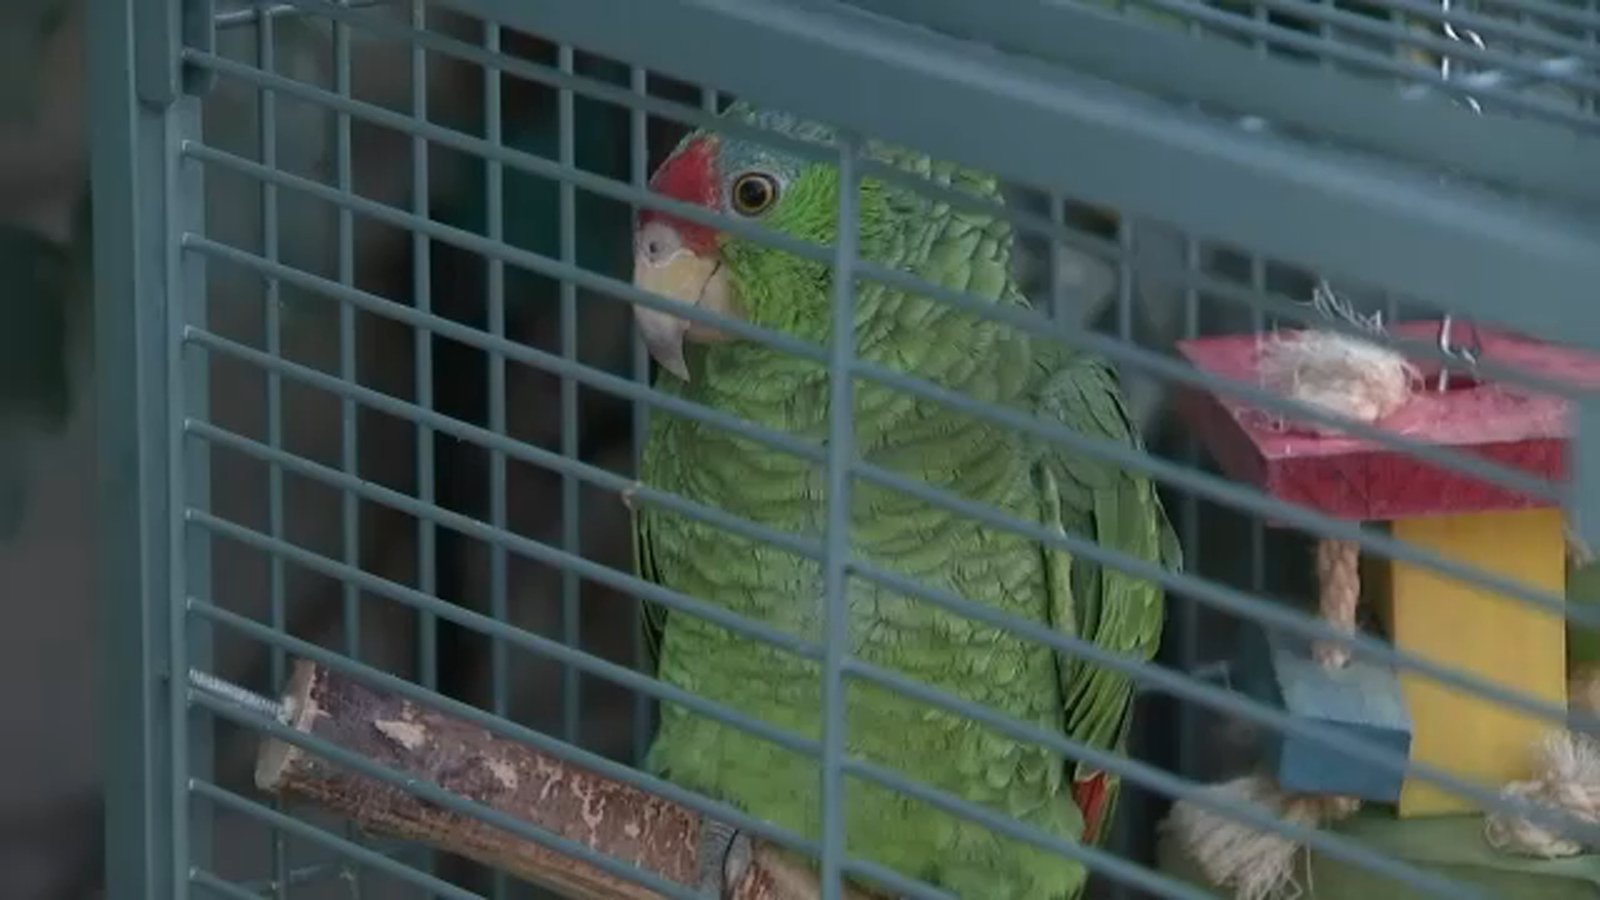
[981, 461]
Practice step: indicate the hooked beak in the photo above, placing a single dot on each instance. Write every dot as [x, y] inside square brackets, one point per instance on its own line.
[663, 265]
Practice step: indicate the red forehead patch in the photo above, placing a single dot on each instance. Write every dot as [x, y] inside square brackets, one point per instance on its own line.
[690, 176]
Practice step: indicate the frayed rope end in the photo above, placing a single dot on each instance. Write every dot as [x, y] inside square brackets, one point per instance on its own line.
[1568, 779]
[1338, 374]
[1255, 864]
[1566, 767]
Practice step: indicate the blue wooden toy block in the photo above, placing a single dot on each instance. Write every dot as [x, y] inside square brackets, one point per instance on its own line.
[1362, 700]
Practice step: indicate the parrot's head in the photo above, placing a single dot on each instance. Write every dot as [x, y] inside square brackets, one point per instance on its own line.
[727, 273]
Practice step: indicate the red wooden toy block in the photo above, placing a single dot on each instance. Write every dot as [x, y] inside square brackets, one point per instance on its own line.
[1353, 478]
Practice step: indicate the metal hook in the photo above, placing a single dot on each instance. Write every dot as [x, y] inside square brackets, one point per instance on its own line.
[1469, 353]
[1325, 301]
[1464, 36]
[1446, 345]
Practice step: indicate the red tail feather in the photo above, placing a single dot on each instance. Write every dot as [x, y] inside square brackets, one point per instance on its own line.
[1090, 795]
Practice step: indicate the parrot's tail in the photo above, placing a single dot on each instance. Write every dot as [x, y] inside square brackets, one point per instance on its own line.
[1095, 796]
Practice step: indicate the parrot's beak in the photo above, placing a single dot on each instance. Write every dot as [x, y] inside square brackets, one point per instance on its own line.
[663, 265]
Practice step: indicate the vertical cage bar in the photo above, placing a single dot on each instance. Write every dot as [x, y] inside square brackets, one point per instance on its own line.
[571, 681]
[422, 288]
[1127, 273]
[349, 412]
[189, 485]
[494, 206]
[127, 139]
[1323, 34]
[1591, 99]
[1583, 506]
[639, 161]
[1258, 283]
[494, 203]
[1058, 288]
[421, 278]
[1189, 531]
[128, 167]
[267, 135]
[841, 451]
[1258, 531]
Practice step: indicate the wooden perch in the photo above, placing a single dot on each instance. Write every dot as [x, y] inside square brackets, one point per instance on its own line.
[612, 818]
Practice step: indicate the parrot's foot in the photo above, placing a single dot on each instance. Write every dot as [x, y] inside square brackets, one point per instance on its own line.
[630, 496]
[721, 858]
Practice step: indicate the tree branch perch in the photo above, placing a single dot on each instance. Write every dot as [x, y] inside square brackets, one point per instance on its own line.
[612, 818]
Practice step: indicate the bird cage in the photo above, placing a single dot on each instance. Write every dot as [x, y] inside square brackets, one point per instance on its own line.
[838, 449]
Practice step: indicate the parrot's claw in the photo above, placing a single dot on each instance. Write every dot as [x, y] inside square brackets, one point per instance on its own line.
[721, 858]
[630, 497]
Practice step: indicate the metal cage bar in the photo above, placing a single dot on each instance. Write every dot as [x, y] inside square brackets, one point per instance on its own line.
[836, 553]
[1350, 213]
[1228, 599]
[272, 309]
[1111, 348]
[1384, 217]
[129, 164]
[349, 434]
[565, 156]
[499, 559]
[421, 262]
[703, 117]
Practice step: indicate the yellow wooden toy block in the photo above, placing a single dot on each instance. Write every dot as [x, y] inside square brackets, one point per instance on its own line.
[1477, 631]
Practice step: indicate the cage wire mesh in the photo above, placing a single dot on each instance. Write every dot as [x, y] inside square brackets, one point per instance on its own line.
[374, 402]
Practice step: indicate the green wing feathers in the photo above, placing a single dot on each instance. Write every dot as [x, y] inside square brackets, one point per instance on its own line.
[1120, 510]
[653, 616]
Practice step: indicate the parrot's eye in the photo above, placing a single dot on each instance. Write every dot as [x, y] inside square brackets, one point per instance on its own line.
[754, 193]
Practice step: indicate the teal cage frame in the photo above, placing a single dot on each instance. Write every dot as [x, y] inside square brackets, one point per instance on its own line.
[1327, 167]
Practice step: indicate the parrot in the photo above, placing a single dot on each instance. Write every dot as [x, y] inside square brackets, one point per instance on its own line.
[968, 456]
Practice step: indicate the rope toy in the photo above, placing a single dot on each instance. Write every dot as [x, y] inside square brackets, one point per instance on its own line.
[1567, 778]
[1338, 593]
[1356, 379]
[1336, 373]
[1255, 864]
